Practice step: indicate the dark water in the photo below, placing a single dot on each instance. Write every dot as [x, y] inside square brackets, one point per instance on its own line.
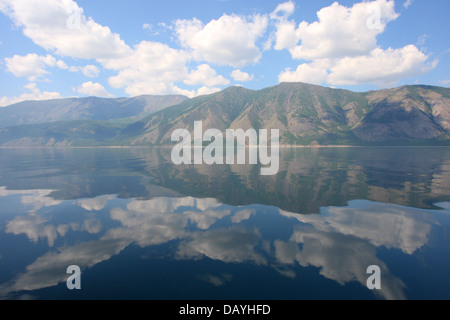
[140, 227]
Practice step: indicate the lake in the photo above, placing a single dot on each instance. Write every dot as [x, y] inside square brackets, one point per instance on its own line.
[140, 227]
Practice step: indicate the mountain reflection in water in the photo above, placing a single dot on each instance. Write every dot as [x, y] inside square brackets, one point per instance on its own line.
[140, 227]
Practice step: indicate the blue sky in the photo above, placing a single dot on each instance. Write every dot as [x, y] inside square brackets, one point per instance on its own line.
[114, 48]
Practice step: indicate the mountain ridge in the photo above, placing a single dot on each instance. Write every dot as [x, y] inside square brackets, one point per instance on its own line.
[305, 114]
[86, 108]
[310, 114]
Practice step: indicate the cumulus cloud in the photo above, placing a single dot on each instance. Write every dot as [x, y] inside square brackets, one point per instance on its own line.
[33, 94]
[339, 31]
[156, 221]
[49, 269]
[342, 242]
[286, 34]
[283, 11]
[229, 40]
[239, 75]
[340, 258]
[205, 75]
[155, 68]
[335, 48]
[95, 204]
[205, 90]
[32, 66]
[234, 244]
[152, 68]
[381, 67]
[36, 228]
[145, 223]
[89, 71]
[387, 225]
[205, 218]
[61, 27]
[342, 47]
[315, 72]
[92, 225]
[93, 89]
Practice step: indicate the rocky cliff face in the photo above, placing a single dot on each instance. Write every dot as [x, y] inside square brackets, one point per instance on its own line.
[308, 114]
[406, 112]
[305, 115]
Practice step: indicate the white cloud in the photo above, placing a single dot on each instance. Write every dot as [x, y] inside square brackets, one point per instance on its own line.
[93, 89]
[62, 65]
[381, 67]
[152, 68]
[95, 204]
[286, 35]
[394, 226]
[205, 75]
[61, 26]
[407, 4]
[342, 241]
[339, 31]
[234, 245]
[342, 47]
[242, 215]
[33, 94]
[239, 75]
[230, 40]
[341, 37]
[35, 227]
[150, 63]
[148, 68]
[92, 226]
[314, 72]
[205, 90]
[144, 223]
[155, 68]
[283, 11]
[341, 258]
[90, 70]
[445, 82]
[32, 199]
[32, 66]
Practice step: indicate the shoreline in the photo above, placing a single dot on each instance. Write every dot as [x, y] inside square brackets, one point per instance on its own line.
[170, 147]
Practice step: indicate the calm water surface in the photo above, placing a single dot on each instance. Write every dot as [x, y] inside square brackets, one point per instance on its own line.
[140, 227]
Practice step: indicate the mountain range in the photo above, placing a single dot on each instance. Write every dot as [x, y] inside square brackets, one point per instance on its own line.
[305, 114]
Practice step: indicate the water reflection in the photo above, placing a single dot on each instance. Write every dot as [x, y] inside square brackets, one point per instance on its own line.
[341, 241]
[308, 179]
[223, 221]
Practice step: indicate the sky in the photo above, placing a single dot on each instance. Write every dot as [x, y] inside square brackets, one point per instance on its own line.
[52, 49]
